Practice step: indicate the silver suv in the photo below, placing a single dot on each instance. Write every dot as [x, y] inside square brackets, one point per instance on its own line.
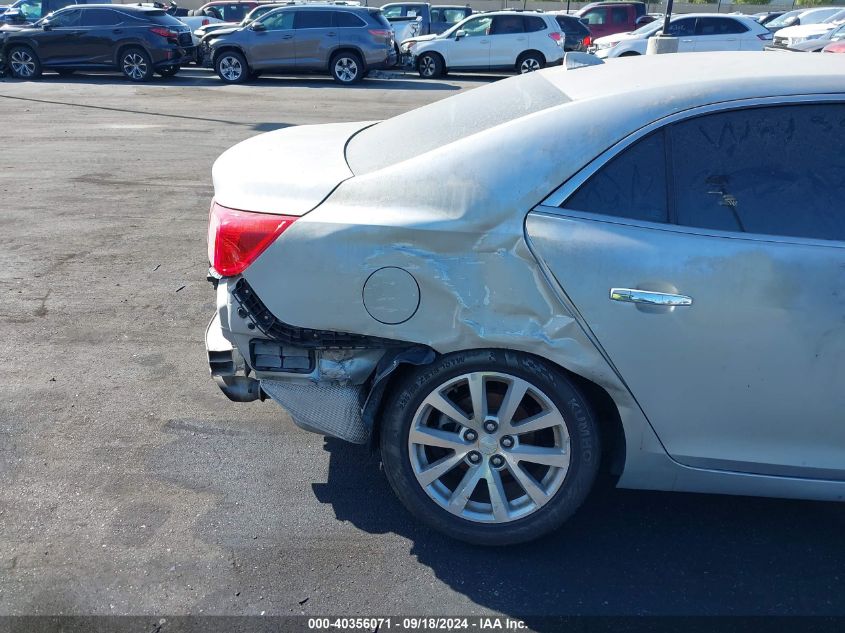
[347, 41]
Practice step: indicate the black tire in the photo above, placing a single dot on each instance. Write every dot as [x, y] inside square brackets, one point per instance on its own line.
[231, 67]
[135, 64]
[65, 72]
[630, 54]
[168, 71]
[565, 489]
[24, 63]
[347, 68]
[529, 62]
[430, 66]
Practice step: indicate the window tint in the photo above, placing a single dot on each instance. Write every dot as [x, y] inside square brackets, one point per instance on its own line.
[345, 19]
[683, 27]
[595, 16]
[312, 20]
[30, 10]
[619, 15]
[100, 17]
[632, 185]
[718, 26]
[477, 26]
[233, 12]
[507, 25]
[773, 171]
[66, 18]
[534, 24]
[279, 21]
[448, 16]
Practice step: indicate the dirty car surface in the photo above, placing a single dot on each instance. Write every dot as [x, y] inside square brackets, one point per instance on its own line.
[523, 293]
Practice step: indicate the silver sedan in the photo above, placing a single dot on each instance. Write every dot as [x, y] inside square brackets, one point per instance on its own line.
[637, 266]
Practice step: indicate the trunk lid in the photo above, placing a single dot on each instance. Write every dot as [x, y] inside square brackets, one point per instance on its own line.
[288, 171]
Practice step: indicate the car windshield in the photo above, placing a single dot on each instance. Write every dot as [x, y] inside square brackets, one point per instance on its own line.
[785, 19]
[838, 33]
[649, 29]
[836, 18]
[449, 120]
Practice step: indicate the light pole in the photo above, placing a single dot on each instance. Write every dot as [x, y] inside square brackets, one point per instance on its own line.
[667, 17]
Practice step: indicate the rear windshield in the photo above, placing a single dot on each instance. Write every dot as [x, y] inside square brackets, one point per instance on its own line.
[379, 17]
[159, 17]
[432, 126]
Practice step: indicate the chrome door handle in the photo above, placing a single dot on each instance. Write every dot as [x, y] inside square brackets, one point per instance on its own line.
[632, 295]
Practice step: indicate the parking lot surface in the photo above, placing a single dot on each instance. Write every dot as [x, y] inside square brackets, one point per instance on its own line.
[130, 485]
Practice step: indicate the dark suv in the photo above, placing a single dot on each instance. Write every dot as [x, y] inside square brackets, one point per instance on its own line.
[346, 41]
[134, 39]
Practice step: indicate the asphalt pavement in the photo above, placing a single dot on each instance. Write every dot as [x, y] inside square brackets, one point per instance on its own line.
[130, 485]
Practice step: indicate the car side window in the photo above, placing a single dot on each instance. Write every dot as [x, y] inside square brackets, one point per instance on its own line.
[393, 12]
[619, 15]
[281, 21]
[763, 170]
[312, 20]
[67, 18]
[344, 19]
[507, 25]
[632, 185]
[682, 28]
[234, 12]
[718, 26]
[533, 24]
[477, 26]
[595, 16]
[100, 17]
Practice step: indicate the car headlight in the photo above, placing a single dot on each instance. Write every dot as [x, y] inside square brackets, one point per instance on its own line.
[605, 45]
[406, 47]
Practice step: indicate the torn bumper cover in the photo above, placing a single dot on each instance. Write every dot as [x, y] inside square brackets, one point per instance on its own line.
[331, 383]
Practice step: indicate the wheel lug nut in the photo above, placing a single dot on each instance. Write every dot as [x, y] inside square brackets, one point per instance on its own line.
[497, 461]
[470, 436]
[507, 441]
[474, 457]
[490, 426]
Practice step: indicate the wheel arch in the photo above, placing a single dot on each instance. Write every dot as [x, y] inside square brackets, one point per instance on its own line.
[348, 48]
[608, 418]
[531, 51]
[124, 46]
[226, 48]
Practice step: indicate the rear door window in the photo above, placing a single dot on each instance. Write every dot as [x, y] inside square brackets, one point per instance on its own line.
[632, 185]
[100, 17]
[345, 19]
[313, 20]
[718, 26]
[533, 24]
[507, 25]
[772, 171]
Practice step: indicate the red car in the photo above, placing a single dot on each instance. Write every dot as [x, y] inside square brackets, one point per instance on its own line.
[835, 47]
[607, 18]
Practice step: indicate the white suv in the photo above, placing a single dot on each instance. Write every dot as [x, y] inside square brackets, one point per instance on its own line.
[499, 40]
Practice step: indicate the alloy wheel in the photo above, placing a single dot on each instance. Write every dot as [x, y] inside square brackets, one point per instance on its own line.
[22, 63]
[346, 69]
[134, 66]
[427, 66]
[489, 447]
[529, 65]
[231, 68]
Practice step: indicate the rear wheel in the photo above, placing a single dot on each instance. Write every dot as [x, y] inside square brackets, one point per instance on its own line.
[24, 63]
[136, 64]
[231, 67]
[347, 68]
[529, 62]
[490, 447]
[430, 66]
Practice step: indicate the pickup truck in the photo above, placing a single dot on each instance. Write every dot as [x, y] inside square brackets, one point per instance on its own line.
[410, 19]
[607, 18]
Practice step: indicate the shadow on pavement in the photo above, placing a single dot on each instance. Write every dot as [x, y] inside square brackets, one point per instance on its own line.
[625, 552]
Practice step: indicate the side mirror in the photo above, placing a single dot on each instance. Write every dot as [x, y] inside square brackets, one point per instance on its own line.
[257, 26]
[47, 26]
[460, 33]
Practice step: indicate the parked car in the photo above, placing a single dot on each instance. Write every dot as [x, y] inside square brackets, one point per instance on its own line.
[834, 47]
[801, 16]
[233, 12]
[30, 11]
[577, 36]
[815, 45]
[499, 40]
[792, 35]
[411, 19]
[219, 26]
[764, 17]
[696, 32]
[607, 18]
[138, 41]
[346, 41]
[542, 313]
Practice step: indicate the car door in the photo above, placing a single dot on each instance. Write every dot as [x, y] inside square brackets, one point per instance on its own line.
[717, 34]
[99, 29]
[272, 41]
[684, 30]
[315, 37]
[473, 49]
[714, 282]
[59, 42]
[507, 40]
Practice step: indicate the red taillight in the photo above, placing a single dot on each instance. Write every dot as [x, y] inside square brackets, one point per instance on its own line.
[380, 32]
[588, 40]
[556, 36]
[205, 22]
[237, 238]
[158, 30]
